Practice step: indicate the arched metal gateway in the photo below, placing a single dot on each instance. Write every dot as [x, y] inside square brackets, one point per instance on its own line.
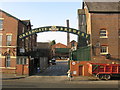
[83, 39]
[82, 52]
[54, 28]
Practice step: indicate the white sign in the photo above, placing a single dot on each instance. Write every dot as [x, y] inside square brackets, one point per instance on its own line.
[74, 72]
[73, 63]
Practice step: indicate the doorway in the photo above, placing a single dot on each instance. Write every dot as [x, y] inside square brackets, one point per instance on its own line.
[80, 70]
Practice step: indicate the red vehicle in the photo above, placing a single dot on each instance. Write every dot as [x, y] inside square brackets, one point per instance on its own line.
[104, 71]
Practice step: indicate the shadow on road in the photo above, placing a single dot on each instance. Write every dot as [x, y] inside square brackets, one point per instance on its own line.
[60, 69]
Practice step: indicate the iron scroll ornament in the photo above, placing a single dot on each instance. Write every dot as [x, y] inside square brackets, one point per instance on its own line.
[54, 29]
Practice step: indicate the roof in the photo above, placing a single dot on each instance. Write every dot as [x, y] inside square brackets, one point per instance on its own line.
[43, 45]
[103, 6]
[22, 21]
[59, 45]
[9, 14]
[26, 22]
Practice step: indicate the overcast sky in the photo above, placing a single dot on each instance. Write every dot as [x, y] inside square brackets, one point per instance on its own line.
[46, 14]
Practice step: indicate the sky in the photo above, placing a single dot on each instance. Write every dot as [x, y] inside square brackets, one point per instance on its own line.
[46, 14]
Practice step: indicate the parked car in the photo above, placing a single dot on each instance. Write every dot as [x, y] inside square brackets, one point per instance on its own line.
[53, 61]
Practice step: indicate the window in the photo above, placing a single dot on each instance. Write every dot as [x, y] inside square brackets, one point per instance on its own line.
[8, 61]
[0, 40]
[103, 33]
[104, 50]
[1, 24]
[21, 60]
[24, 61]
[9, 39]
[23, 30]
[82, 19]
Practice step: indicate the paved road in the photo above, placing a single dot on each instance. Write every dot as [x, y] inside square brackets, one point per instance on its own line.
[60, 69]
[57, 82]
[55, 77]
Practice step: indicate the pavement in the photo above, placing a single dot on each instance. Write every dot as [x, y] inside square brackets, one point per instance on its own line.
[78, 78]
[75, 78]
[11, 76]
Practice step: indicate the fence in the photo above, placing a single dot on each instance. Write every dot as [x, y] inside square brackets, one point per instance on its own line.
[81, 54]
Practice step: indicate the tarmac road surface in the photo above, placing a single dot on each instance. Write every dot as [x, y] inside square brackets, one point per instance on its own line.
[55, 76]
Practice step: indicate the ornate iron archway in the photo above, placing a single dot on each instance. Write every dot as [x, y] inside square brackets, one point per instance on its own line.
[54, 29]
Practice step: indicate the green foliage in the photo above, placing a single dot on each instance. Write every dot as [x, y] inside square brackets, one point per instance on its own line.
[53, 42]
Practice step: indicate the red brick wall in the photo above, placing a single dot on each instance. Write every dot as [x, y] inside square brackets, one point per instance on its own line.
[76, 68]
[13, 27]
[10, 26]
[110, 23]
[85, 69]
[9, 71]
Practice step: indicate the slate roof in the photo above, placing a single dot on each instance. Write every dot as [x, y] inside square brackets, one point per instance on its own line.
[9, 14]
[103, 6]
[22, 21]
[26, 21]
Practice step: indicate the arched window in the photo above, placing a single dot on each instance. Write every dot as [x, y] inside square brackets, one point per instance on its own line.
[7, 60]
[103, 33]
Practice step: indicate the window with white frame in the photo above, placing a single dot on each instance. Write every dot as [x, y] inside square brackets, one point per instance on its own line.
[9, 40]
[1, 24]
[0, 40]
[104, 50]
[103, 33]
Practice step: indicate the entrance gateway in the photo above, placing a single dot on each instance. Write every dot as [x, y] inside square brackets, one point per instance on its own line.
[83, 38]
[54, 29]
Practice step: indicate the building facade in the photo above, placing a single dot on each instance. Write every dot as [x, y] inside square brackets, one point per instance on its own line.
[60, 51]
[101, 20]
[14, 56]
[44, 54]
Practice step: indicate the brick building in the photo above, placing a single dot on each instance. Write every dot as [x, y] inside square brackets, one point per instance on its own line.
[14, 56]
[101, 20]
[60, 50]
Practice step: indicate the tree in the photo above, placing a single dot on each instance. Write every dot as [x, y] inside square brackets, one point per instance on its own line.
[53, 42]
